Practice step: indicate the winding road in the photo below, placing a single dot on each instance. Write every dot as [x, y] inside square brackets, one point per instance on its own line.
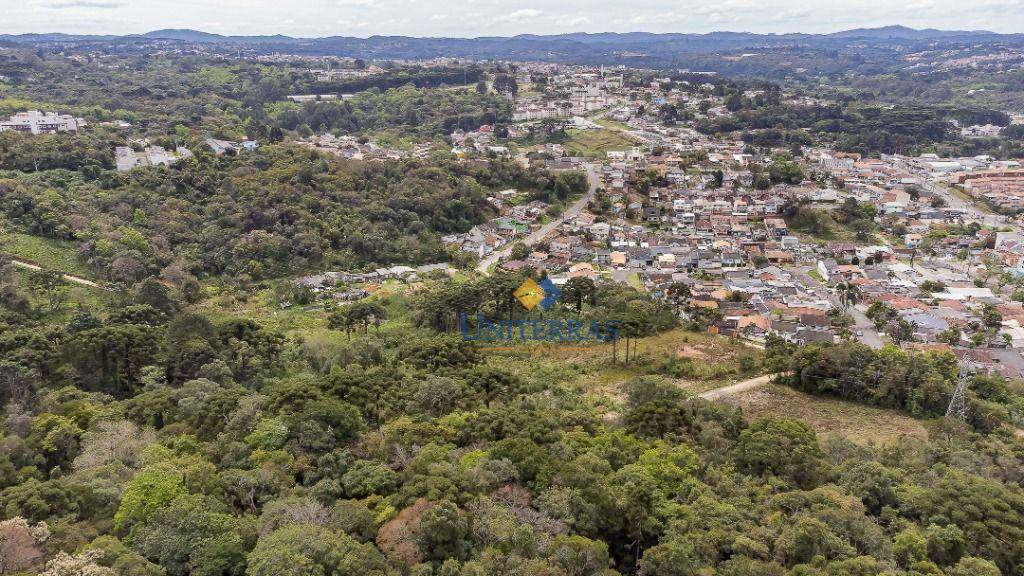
[737, 388]
[539, 234]
[67, 277]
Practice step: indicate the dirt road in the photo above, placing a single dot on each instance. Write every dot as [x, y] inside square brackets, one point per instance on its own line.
[737, 388]
[68, 277]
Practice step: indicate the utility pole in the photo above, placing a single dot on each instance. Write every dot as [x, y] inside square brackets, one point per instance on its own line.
[958, 403]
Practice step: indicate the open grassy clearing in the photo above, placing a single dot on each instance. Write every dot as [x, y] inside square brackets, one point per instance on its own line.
[594, 143]
[48, 253]
[71, 297]
[614, 124]
[859, 423]
[695, 361]
[819, 226]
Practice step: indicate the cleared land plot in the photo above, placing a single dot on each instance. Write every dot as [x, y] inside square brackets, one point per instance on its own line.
[45, 252]
[860, 424]
[594, 143]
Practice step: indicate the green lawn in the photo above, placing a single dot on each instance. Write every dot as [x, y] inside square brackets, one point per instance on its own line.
[594, 143]
[857, 422]
[715, 360]
[634, 281]
[818, 226]
[45, 252]
[607, 123]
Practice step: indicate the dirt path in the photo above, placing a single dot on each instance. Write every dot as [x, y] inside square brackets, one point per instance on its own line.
[68, 277]
[737, 388]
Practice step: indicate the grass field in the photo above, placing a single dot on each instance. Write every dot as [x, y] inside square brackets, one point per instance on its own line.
[608, 123]
[859, 423]
[819, 226]
[594, 143]
[713, 361]
[709, 361]
[45, 252]
[635, 282]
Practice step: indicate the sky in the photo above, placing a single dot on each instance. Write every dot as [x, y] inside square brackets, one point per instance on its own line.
[472, 18]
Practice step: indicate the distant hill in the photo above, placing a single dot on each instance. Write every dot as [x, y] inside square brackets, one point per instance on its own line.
[185, 34]
[188, 35]
[882, 33]
[902, 32]
[641, 48]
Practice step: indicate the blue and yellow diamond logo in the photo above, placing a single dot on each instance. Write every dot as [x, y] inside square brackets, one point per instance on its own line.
[532, 294]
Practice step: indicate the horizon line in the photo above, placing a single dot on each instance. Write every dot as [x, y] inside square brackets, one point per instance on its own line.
[148, 33]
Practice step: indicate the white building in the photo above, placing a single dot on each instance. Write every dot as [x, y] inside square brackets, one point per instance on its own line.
[38, 122]
[587, 99]
[127, 158]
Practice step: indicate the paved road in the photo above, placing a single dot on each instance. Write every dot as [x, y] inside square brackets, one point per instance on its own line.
[975, 211]
[539, 234]
[68, 277]
[737, 388]
[865, 328]
[972, 211]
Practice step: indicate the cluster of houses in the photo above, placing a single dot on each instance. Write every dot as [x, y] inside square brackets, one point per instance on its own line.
[358, 149]
[221, 147]
[683, 208]
[350, 69]
[483, 140]
[1001, 187]
[353, 286]
[999, 183]
[517, 216]
[142, 154]
[36, 122]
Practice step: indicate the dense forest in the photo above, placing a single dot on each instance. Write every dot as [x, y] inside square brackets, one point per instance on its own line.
[405, 111]
[265, 214]
[150, 436]
[920, 384]
[197, 412]
[198, 95]
[867, 128]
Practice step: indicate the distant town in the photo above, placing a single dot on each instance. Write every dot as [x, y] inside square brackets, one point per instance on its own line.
[928, 267]
[590, 304]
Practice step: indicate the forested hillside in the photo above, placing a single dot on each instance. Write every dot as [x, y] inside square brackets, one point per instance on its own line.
[184, 391]
[280, 210]
[145, 435]
[196, 95]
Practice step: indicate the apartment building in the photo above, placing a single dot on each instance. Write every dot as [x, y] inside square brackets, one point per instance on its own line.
[36, 122]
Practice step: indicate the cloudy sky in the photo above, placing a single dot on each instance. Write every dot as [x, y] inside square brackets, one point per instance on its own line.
[469, 18]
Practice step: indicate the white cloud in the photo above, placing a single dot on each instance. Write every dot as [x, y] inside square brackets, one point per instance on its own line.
[61, 4]
[471, 18]
[351, 23]
[519, 16]
[792, 14]
[920, 5]
[572, 20]
[651, 18]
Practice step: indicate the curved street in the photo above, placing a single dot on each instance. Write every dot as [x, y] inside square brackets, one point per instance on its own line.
[539, 234]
